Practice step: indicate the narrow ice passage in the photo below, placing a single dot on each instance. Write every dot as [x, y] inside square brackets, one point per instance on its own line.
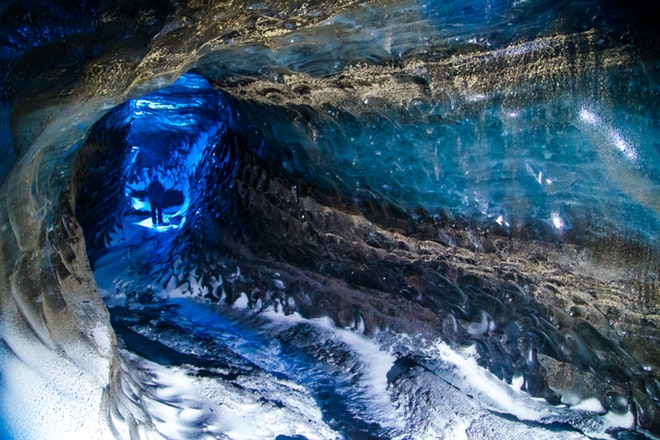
[402, 219]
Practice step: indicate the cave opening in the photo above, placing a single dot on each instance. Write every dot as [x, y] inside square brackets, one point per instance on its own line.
[159, 136]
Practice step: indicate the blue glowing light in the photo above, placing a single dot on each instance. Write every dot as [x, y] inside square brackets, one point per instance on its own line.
[168, 132]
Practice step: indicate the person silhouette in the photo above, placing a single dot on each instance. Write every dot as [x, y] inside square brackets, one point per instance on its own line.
[156, 193]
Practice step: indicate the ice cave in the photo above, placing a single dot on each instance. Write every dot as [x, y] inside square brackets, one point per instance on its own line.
[355, 219]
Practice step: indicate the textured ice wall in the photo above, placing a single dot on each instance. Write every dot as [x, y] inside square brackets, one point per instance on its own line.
[442, 61]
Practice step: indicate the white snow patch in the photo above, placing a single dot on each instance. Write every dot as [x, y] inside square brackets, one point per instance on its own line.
[517, 382]
[242, 302]
[615, 420]
[183, 405]
[591, 405]
[378, 362]
[46, 397]
[375, 361]
[499, 393]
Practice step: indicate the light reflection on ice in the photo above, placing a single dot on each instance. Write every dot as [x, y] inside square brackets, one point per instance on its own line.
[613, 135]
[557, 221]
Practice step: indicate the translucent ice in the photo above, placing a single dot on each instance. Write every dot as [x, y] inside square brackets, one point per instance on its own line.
[385, 220]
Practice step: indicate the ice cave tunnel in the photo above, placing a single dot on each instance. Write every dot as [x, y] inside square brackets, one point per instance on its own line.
[399, 219]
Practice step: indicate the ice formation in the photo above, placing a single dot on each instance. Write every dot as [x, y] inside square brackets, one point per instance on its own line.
[383, 219]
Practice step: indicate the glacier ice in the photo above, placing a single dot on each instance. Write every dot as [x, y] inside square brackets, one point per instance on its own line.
[400, 219]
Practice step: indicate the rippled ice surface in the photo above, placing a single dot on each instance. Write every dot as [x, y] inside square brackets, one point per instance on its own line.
[399, 219]
[208, 369]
